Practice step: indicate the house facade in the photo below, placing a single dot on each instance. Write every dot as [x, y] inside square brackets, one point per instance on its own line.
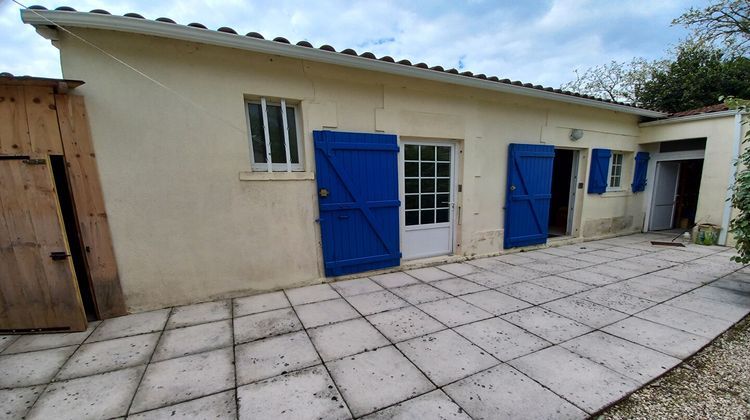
[374, 164]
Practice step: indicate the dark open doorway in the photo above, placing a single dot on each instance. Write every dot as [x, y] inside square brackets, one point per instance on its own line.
[67, 210]
[560, 202]
[688, 187]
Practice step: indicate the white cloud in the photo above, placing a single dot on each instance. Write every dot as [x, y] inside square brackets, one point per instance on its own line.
[540, 42]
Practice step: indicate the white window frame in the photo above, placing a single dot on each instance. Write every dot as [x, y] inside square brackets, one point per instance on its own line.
[611, 167]
[275, 167]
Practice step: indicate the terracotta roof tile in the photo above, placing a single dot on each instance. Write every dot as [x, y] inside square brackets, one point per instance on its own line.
[368, 54]
[703, 110]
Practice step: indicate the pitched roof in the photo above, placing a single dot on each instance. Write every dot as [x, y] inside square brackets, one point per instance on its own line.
[703, 110]
[102, 19]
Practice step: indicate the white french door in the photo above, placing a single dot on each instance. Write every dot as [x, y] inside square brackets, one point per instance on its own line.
[427, 173]
[665, 195]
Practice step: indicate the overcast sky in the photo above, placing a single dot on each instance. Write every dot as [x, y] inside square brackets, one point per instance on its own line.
[537, 41]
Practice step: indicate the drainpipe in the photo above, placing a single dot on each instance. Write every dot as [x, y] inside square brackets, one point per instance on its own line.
[732, 177]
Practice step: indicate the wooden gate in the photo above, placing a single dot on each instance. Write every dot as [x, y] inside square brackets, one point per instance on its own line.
[39, 289]
[38, 285]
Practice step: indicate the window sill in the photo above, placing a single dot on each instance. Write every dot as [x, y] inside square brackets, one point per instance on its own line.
[276, 176]
[616, 193]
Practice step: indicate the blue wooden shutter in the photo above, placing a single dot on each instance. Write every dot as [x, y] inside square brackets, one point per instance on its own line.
[528, 194]
[357, 176]
[639, 174]
[599, 170]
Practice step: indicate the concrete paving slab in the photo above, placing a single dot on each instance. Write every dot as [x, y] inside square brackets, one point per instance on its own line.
[590, 258]
[572, 263]
[420, 293]
[505, 393]
[454, 312]
[123, 326]
[548, 325]
[221, 406]
[559, 251]
[654, 279]
[183, 316]
[562, 285]
[375, 302]
[722, 295]
[589, 277]
[687, 273]
[105, 356]
[32, 368]
[176, 380]
[106, 395]
[495, 302]
[587, 384]
[530, 292]
[459, 269]
[735, 285]
[585, 312]
[386, 370]
[265, 324]
[515, 258]
[432, 405]
[194, 339]
[445, 356]
[346, 338]
[326, 312]
[491, 264]
[491, 279]
[34, 342]
[643, 291]
[310, 294]
[639, 363]
[356, 287]
[501, 339]
[616, 300]
[685, 320]
[546, 267]
[723, 310]
[273, 356]
[621, 272]
[404, 323]
[7, 340]
[521, 273]
[538, 255]
[457, 287]
[429, 274]
[659, 337]
[16, 402]
[303, 394]
[259, 303]
[397, 279]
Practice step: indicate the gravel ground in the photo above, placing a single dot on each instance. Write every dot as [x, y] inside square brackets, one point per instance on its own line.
[713, 384]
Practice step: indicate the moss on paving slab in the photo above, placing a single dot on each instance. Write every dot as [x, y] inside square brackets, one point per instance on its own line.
[713, 384]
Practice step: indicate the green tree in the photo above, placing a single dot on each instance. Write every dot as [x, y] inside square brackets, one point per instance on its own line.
[697, 77]
[740, 225]
[725, 23]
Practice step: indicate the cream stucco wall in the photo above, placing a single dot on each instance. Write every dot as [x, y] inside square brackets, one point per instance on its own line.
[720, 137]
[185, 226]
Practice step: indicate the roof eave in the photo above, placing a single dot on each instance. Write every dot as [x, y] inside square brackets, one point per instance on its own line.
[686, 118]
[42, 18]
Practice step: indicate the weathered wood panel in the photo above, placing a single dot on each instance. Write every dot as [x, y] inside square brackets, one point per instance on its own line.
[35, 291]
[14, 127]
[42, 121]
[88, 201]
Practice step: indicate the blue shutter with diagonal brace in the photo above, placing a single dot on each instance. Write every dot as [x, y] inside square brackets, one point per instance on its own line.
[599, 170]
[357, 176]
[528, 195]
[639, 174]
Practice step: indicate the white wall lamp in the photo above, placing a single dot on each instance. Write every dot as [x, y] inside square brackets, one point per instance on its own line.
[576, 134]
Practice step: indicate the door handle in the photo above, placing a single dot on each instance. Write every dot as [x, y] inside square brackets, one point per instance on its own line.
[58, 255]
[323, 192]
[512, 187]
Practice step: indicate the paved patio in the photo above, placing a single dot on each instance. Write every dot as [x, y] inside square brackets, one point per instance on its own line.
[553, 333]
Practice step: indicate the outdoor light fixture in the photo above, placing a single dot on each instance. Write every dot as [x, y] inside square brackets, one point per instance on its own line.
[576, 134]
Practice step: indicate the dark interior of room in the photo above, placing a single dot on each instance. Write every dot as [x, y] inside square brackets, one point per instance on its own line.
[562, 168]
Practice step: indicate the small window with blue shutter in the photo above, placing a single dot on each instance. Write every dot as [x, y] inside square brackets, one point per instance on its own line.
[599, 172]
[639, 173]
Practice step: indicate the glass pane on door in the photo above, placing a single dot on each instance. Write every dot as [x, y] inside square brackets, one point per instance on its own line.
[427, 184]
